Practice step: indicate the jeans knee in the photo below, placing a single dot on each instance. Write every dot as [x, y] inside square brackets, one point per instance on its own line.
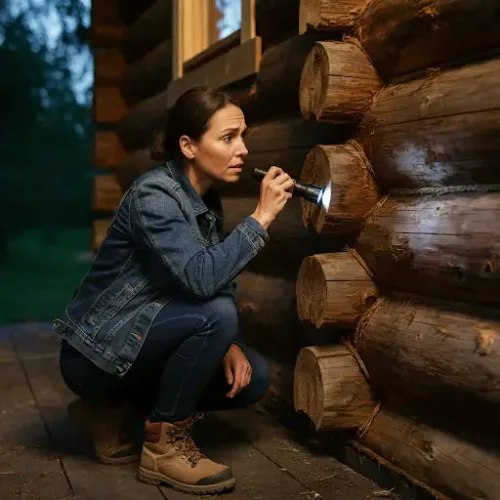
[259, 383]
[223, 318]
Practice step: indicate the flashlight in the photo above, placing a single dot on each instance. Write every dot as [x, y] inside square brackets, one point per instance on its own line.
[309, 192]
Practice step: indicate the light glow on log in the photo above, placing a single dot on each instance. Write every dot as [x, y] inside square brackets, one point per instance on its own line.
[326, 196]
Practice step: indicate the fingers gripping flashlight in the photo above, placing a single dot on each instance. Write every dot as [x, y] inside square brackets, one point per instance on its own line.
[314, 194]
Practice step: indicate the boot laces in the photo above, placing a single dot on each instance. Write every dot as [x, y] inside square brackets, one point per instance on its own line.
[185, 444]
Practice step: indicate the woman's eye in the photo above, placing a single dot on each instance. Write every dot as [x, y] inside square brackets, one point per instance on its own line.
[226, 138]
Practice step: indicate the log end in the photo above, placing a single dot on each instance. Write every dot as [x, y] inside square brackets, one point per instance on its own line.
[351, 188]
[311, 292]
[314, 83]
[308, 394]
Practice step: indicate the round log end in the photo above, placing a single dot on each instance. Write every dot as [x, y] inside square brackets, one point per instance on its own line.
[334, 290]
[351, 191]
[330, 388]
[314, 83]
[311, 291]
[308, 394]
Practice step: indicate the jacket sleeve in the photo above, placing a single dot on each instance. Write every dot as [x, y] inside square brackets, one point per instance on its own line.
[157, 221]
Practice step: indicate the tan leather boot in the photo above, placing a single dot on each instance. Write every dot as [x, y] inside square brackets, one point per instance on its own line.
[169, 455]
[107, 428]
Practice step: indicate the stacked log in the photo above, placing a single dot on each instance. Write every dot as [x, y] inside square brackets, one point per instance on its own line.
[418, 186]
[331, 388]
[402, 38]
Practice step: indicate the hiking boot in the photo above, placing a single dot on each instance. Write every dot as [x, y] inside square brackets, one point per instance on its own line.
[169, 455]
[106, 425]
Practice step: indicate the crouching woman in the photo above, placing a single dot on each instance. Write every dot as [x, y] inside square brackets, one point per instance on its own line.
[152, 329]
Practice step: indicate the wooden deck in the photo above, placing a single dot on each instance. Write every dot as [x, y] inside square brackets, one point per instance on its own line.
[44, 458]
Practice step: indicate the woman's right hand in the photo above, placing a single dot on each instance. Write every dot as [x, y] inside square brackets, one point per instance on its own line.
[275, 191]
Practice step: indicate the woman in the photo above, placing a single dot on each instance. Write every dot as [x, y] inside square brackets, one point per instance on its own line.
[152, 329]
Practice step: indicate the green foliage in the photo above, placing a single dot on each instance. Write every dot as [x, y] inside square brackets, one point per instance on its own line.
[45, 127]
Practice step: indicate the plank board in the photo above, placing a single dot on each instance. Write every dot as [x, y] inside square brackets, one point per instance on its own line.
[89, 479]
[109, 106]
[29, 470]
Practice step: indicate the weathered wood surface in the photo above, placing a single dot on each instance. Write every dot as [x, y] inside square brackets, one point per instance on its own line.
[108, 151]
[278, 79]
[401, 37]
[29, 468]
[138, 127]
[107, 193]
[109, 106]
[442, 129]
[267, 313]
[446, 246]
[149, 75]
[451, 349]
[330, 388]
[325, 15]
[337, 83]
[334, 290]
[451, 467]
[153, 27]
[134, 165]
[350, 191]
[276, 20]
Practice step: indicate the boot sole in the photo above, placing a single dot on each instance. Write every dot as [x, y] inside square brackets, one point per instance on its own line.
[154, 478]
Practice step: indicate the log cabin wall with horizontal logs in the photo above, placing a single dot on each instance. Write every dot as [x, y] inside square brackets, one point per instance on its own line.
[375, 309]
[412, 301]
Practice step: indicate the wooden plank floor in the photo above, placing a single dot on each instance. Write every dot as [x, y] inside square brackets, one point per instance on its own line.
[44, 458]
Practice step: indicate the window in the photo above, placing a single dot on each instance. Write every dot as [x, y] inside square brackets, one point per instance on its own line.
[205, 29]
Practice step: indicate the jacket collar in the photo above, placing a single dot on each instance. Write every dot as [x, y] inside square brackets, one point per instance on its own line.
[199, 206]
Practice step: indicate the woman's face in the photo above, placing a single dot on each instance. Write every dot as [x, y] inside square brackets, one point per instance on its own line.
[221, 151]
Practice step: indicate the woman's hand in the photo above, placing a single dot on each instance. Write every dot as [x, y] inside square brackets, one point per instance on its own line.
[274, 193]
[237, 369]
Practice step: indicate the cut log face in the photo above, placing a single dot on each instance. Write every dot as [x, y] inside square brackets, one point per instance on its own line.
[446, 246]
[108, 152]
[325, 15]
[350, 190]
[330, 388]
[337, 83]
[107, 193]
[447, 465]
[451, 349]
[439, 130]
[334, 290]
[401, 37]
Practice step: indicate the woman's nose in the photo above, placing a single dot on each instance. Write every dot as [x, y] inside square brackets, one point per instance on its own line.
[243, 149]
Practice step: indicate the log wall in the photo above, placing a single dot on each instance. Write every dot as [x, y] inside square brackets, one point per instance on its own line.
[395, 104]
[410, 308]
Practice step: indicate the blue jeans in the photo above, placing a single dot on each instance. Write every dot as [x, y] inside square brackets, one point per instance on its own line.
[179, 368]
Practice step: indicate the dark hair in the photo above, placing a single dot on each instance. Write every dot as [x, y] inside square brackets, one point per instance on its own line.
[189, 116]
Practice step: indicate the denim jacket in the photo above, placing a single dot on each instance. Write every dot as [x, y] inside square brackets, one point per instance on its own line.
[164, 240]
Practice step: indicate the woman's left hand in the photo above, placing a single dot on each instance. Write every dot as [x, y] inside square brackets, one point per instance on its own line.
[237, 369]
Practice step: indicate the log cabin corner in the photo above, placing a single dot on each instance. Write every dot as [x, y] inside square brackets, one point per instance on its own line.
[379, 313]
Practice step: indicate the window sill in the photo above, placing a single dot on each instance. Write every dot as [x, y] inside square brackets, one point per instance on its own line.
[231, 66]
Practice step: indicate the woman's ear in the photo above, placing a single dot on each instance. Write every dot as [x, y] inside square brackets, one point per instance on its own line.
[187, 147]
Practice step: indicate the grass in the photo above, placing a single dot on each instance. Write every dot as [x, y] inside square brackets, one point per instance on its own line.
[37, 280]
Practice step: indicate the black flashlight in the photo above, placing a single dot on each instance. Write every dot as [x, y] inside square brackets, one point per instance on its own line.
[307, 191]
